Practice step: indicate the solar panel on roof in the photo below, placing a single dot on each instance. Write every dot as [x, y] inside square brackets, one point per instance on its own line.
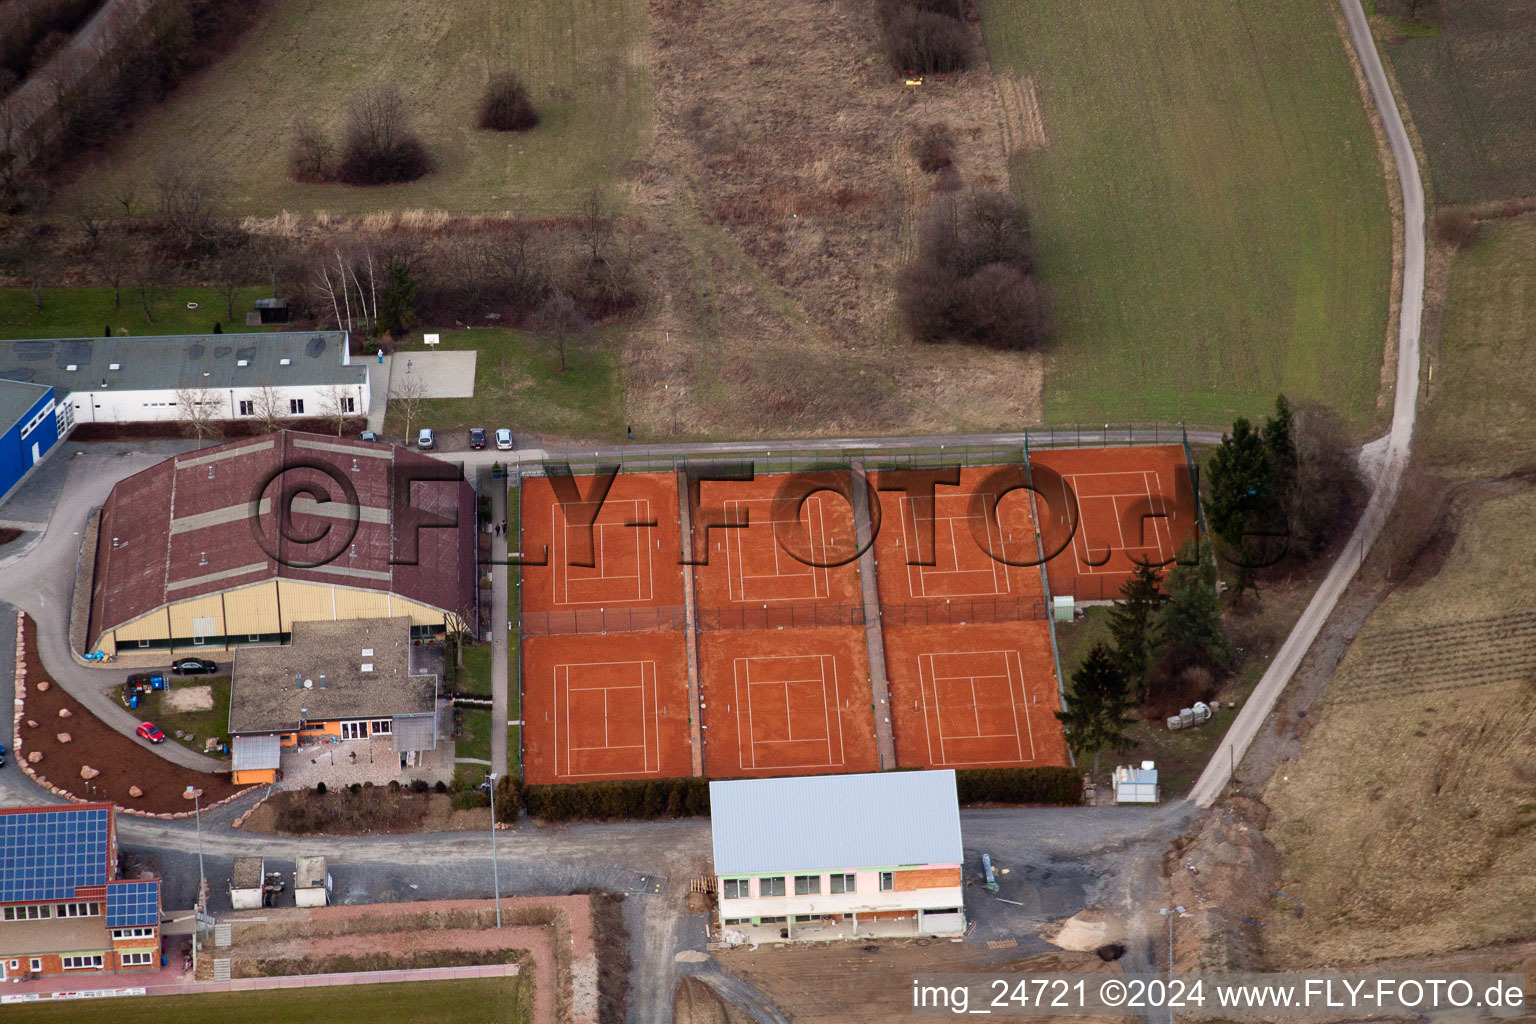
[46, 855]
[133, 904]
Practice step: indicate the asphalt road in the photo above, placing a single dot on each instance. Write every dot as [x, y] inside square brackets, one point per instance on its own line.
[1390, 463]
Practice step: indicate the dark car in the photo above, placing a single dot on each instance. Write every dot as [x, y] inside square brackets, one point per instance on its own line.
[477, 438]
[194, 667]
[149, 731]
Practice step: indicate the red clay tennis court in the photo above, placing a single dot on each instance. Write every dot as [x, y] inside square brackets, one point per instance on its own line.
[605, 707]
[958, 546]
[786, 703]
[600, 555]
[1134, 504]
[779, 557]
[974, 696]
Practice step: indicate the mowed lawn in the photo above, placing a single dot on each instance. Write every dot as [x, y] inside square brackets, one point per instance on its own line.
[88, 312]
[1478, 420]
[475, 1001]
[1211, 215]
[584, 61]
[1472, 92]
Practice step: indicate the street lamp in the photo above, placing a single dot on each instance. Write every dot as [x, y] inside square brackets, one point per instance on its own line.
[202, 905]
[1170, 913]
[495, 866]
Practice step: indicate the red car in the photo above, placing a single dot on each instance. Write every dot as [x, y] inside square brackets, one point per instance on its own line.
[149, 732]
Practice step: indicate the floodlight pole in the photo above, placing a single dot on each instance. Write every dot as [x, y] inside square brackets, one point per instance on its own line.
[495, 866]
[202, 878]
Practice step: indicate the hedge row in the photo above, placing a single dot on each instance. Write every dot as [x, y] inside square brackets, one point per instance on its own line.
[1063, 786]
[629, 798]
[687, 797]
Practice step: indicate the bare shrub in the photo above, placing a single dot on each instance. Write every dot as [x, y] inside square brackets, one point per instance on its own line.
[1328, 492]
[1455, 228]
[309, 153]
[973, 278]
[922, 37]
[505, 107]
[933, 149]
[380, 147]
[1178, 691]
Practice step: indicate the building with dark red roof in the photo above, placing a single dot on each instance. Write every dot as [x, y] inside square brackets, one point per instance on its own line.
[233, 544]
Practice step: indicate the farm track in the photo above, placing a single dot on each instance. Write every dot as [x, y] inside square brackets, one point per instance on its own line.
[1453, 656]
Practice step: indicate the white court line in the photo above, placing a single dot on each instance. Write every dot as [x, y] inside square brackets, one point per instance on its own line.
[954, 523]
[646, 684]
[1126, 548]
[827, 708]
[736, 557]
[1016, 696]
[644, 575]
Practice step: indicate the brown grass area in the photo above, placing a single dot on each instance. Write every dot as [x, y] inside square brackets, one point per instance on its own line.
[1406, 825]
[375, 810]
[781, 189]
[852, 984]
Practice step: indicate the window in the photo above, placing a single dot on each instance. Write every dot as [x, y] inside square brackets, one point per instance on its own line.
[143, 643]
[381, 727]
[32, 913]
[349, 405]
[138, 959]
[807, 885]
[36, 964]
[887, 881]
[770, 920]
[248, 408]
[296, 406]
[354, 730]
[806, 918]
[735, 920]
[737, 888]
[78, 963]
[132, 933]
[843, 883]
[770, 886]
[76, 909]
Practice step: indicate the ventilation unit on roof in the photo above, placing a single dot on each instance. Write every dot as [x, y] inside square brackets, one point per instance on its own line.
[242, 362]
[114, 366]
[367, 652]
[285, 362]
[322, 680]
[72, 367]
[367, 666]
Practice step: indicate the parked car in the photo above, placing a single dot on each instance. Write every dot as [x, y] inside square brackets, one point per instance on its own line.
[425, 439]
[194, 667]
[369, 435]
[504, 440]
[150, 732]
[477, 438]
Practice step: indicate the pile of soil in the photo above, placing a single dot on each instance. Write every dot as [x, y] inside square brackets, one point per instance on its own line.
[121, 762]
[1226, 875]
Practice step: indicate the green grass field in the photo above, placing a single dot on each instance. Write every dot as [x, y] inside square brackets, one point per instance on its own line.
[87, 312]
[1472, 95]
[1478, 420]
[584, 61]
[476, 1001]
[201, 724]
[518, 384]
[1211, 216]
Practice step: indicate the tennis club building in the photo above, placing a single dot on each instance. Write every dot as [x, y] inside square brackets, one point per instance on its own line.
[838, 856]
[63, 910]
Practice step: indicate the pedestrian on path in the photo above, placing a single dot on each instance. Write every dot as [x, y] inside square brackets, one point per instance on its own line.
[631, 432]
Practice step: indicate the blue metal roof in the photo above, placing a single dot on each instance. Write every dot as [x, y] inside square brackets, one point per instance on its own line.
[47, 853]
[832, 822]
[133, 904]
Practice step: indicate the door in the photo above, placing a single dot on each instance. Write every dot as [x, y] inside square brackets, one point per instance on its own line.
[37, 454]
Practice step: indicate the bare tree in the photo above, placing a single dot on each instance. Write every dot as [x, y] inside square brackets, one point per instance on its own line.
[309, 158]
[126, 195]
[148, 277]
[112, 261]
[184, 198]
[410, 392]
[596, 222]
[269, 405]
[380, 146]
[30, 263]
[229, 268]
[337, 402]
[560, 323]
[92, 220]
[199, 409]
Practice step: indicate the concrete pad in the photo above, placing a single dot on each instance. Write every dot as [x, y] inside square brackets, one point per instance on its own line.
[445, 374]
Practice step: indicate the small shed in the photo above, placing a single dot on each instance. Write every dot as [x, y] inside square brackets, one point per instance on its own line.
[272, 311]
[256, 758]
[245, 885]
[311, 882]
[1136, 785]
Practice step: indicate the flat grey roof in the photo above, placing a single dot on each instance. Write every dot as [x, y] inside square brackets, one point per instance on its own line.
[832, 822]
[366, 670]
[249, 873]
[256, 753]
[167, 362]
[16, 400]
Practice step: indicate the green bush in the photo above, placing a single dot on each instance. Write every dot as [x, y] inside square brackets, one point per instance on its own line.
[1061, 786]
[468, 799]
[509, 798]
[441, 787]
[628, 798]
[320, 788]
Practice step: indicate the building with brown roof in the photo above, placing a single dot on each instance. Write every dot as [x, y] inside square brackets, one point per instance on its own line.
[233, 544]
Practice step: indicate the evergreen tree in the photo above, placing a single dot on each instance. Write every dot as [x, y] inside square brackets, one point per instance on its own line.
[1130, 623]
[397, 309]
[1280, 444]
[1241, 482]
[1096, 708]
[1188, 629]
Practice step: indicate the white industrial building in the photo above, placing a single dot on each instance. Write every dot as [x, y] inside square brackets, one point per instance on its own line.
[232, 376]
[838, 856]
